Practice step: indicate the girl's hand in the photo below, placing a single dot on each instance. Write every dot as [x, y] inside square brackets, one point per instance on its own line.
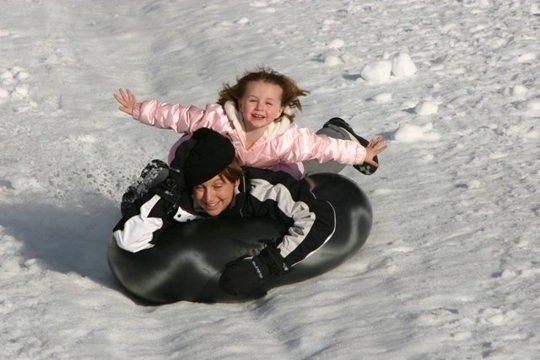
[126, 100]
[375, 147]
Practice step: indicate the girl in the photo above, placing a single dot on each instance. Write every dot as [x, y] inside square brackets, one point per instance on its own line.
[206, 180]
[257, 115]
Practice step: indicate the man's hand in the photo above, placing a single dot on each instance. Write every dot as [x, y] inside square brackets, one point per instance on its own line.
[242, 275]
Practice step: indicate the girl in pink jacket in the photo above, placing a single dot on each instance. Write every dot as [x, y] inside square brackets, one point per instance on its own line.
[257, 114]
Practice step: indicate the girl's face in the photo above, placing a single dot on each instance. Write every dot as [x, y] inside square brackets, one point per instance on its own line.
[260, 105]
[215, 195]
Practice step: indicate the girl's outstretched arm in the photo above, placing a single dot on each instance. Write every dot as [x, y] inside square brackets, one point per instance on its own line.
[126, 100]
[375, 147]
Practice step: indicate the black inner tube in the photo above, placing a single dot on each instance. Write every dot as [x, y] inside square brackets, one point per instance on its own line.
[188, 259]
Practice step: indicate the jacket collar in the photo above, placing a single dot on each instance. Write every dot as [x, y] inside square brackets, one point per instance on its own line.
[274, 129]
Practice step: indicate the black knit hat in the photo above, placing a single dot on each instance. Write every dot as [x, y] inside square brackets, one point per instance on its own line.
[209, 156]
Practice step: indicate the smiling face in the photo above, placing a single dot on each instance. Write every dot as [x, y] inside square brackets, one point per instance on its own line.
[215, 195]
[260, 105]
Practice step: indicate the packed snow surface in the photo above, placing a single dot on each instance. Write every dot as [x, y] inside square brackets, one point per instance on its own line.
[451, 269]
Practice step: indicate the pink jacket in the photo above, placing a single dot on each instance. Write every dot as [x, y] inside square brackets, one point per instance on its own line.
[283, 146]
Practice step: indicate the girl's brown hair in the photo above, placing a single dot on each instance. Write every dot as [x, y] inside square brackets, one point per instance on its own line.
[289, 97]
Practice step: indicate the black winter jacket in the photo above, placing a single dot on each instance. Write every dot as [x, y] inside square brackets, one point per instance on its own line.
[276, 195]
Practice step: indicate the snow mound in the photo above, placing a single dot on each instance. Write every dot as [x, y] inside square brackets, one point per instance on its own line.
[409, 133]
[399, 66]
[426, 108]
[402, 66]
[377, 72]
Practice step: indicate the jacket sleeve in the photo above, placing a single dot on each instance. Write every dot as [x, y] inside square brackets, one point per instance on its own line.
[182, 119]
[140, 227]
[311, 221]
[302, 144]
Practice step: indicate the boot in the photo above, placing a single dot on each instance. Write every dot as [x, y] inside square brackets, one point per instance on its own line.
[364, 168]
[153, 173]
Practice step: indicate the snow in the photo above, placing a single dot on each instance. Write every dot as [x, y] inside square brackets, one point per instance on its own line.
[451, 269]
[377, 72]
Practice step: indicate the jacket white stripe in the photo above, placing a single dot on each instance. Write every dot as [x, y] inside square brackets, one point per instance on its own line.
[298, 211]
[138, 231]
[329, 236]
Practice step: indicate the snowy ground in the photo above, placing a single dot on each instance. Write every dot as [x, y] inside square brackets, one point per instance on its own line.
[451, 269]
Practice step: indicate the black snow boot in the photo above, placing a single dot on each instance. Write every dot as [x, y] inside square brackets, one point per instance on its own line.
[364, 168]
[153, 173]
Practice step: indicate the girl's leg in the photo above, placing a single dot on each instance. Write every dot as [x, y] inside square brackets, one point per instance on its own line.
[313, 166]
[339, 129]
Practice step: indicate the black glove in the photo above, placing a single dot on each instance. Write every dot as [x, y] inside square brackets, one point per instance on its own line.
[242, 275]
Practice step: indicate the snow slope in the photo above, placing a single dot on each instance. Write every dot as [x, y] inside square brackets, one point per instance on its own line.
[451, 268]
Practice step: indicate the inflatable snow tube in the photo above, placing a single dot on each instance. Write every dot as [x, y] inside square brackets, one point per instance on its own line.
[188, 260]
